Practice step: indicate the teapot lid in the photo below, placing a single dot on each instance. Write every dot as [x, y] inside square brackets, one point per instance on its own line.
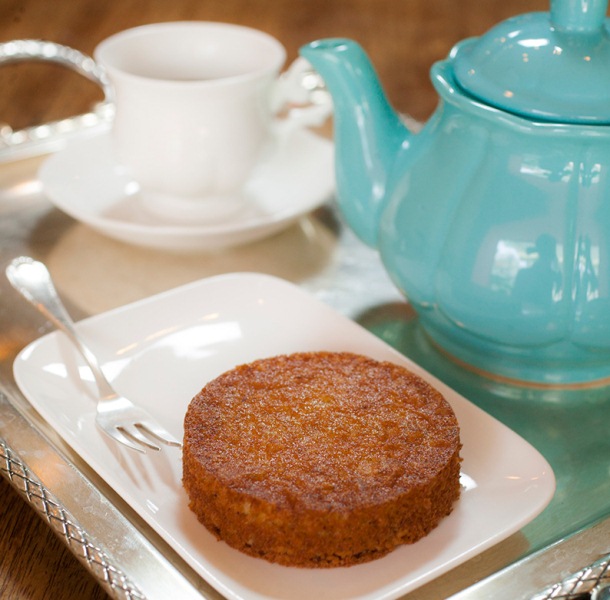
[551, 66]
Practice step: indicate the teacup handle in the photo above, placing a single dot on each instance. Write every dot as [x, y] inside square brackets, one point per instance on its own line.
[302, 91]
[46, 137]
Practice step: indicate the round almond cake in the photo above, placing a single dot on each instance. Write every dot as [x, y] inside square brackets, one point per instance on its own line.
[320, 459]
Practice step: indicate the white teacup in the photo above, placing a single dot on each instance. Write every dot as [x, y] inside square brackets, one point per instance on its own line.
[195, 105]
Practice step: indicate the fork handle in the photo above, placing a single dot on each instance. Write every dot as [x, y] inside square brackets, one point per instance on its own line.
[33, 281]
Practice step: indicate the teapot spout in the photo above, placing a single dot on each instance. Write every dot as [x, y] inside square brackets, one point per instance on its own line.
[368, 132]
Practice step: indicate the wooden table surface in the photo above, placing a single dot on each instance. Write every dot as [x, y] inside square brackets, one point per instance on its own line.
[403, 39]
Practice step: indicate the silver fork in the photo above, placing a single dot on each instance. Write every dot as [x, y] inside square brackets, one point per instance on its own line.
[115, 415]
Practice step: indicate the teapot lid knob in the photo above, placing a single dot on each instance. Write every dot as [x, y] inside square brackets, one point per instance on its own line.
[578, 15]
[551, 66]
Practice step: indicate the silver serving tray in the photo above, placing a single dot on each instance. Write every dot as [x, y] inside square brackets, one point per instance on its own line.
[125, 556]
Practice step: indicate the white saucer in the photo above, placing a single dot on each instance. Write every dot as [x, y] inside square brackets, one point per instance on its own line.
[85, 181]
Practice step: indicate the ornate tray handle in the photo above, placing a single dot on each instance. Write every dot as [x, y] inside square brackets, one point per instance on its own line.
[115, 582]
[590, 583]
[50, 136]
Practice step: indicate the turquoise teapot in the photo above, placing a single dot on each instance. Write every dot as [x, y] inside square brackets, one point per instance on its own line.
[494, 219]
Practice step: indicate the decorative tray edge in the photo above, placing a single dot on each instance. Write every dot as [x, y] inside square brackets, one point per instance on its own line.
[108, 565]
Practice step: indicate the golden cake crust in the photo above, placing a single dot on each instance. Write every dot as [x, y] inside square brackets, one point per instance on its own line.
[320, 459]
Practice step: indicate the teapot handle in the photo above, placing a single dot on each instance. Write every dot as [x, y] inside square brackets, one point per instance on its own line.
[47, 137]
[578, 16]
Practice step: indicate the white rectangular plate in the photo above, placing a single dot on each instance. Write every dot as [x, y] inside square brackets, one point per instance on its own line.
[161, 351]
